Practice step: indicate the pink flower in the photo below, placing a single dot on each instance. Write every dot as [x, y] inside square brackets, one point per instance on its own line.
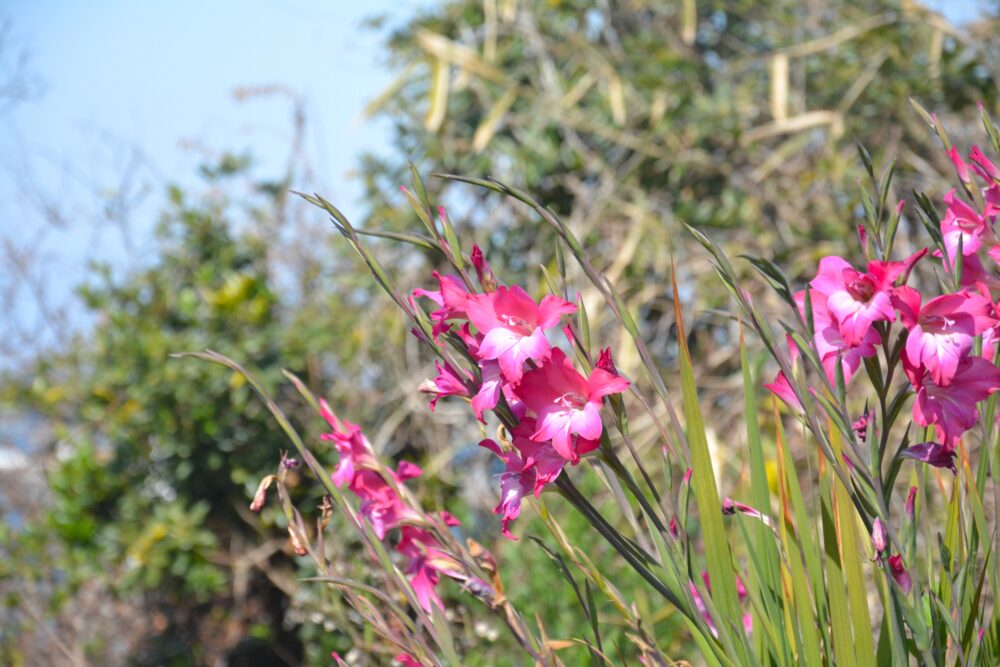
[380, 503]
[529, 467]
[730, 507]
[855, 299]
[513, 327]
[355, 450]
[983, 166]
[951, 409]
[961, 168]
[931, 453]
[961, 223]
[407, 660]
[899, 573]
[451, 298]
[942, 330]
[831, 345]
[447, 383]
[568, 404]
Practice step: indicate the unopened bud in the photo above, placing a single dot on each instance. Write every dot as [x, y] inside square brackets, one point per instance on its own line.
[899, 573]
[261, 496]
[911, 501]
[298, 543]
[878, 537]
[606, 362]
[483, 270]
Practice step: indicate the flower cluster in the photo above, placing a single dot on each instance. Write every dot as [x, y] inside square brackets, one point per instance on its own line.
[385, 508]
[853, 311]
[554, 407]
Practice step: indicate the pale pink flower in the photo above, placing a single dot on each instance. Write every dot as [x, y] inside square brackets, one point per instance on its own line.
[513, 327]
[567, 403]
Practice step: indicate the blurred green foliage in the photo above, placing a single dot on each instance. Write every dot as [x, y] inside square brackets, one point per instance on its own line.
[624, 117]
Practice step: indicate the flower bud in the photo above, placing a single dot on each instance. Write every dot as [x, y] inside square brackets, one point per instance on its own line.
[899, 573]
[261, 495]
[606, 362]
[878, 537]
[911, 500]
[483, 270]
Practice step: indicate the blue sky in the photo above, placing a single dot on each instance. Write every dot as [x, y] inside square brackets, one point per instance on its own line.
[150, 84]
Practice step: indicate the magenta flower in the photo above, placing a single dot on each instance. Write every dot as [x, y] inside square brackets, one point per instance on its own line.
[447, 383]
[568, 404]
[354, 449]
[931, 453]
[831, 345]
[941, 331]
[983, 166]
[451, 298]
[899, 573]
[961, 224]
[951, 409]
[380, 503]
[856, 299]
[529, 467]
[513, 327]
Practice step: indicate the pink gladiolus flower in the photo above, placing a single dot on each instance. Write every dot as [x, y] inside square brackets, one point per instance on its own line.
[568, 404]
[451, 298]
[983, 166]
[529, 467]
[730, 507]
[380, 503]
[407, 660]
[860, 426]
[942, 330]
[961, 168]
[856, 299]
[961, 223]
[447, 383]
[354, 448]
[899, 573]
[878, 537]
[911, 499]
[951, 409]
[513, 327]
[931, 453]
[830, 343]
